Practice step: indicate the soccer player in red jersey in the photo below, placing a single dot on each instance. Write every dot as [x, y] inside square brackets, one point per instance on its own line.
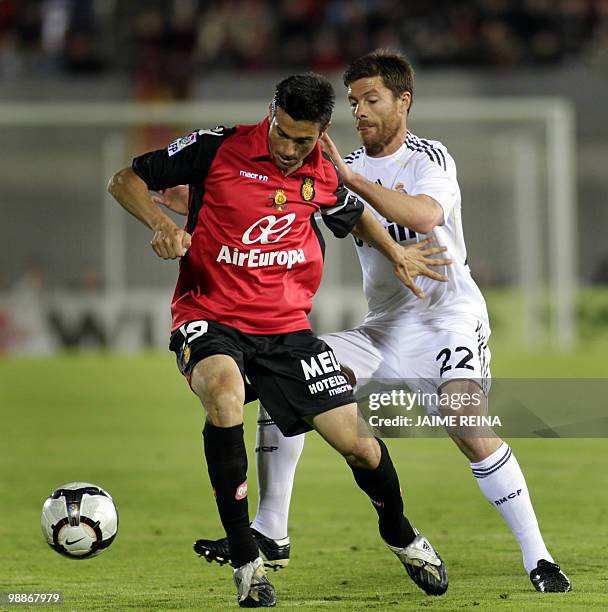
[251, 258]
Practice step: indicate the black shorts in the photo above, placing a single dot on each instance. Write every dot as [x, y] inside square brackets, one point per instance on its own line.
[295, 375]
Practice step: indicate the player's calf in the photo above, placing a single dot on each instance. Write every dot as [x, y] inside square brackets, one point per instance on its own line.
[382, 486]
[227, 465]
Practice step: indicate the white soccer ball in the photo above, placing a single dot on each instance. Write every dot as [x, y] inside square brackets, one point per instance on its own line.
[79, 520]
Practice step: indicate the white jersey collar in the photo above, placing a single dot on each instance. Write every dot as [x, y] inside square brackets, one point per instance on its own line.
[382, 161]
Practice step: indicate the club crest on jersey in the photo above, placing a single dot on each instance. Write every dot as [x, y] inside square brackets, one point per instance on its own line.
[307, 190]
[186, 354]
[279, 200]
[181, 143]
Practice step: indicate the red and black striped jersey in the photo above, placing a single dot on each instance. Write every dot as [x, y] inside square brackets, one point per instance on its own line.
[256, 257]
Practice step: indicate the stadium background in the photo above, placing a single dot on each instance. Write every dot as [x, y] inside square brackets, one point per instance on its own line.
[80, 287]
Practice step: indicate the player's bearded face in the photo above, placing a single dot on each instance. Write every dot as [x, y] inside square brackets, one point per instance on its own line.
[379, 114]
[290, 141]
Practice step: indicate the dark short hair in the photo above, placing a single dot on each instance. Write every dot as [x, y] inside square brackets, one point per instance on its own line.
[306, 97]
[396, 72]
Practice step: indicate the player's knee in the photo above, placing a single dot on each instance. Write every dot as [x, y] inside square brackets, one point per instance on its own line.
[217, 380]
[224, 410]
[221, 395]
[363, 453]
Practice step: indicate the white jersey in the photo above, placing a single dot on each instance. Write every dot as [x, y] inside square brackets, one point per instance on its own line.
[418, 167]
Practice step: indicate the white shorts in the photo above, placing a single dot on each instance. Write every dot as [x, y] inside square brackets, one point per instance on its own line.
[422, 353]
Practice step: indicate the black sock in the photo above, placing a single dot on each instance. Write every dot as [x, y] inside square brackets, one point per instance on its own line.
[227, 465]
[382, 486]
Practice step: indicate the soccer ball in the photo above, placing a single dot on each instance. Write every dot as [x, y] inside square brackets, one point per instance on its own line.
[79, 520]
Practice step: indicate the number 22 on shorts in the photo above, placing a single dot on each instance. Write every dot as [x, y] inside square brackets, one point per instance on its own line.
[446, 354]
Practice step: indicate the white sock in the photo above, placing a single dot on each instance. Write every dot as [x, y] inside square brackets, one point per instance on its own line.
[276, 460]
[503, 484]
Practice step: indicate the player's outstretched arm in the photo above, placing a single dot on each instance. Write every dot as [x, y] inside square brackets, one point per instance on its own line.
[169, 241]
[408, 261]
[420, 213]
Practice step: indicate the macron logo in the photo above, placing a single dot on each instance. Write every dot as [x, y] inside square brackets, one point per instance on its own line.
[253, 175]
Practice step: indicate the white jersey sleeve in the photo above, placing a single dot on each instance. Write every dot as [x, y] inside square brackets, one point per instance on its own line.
[435, 176]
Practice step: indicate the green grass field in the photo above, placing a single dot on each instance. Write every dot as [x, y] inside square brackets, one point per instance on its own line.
[132, 426]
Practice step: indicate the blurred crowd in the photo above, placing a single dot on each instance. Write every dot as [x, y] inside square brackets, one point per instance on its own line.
[171, 40]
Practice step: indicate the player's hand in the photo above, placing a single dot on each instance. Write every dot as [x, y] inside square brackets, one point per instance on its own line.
[328, 145]
[174, 198]
[413, 260]
[170, 242]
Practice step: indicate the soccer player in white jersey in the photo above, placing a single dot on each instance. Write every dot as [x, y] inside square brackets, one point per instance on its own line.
[410, 183]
